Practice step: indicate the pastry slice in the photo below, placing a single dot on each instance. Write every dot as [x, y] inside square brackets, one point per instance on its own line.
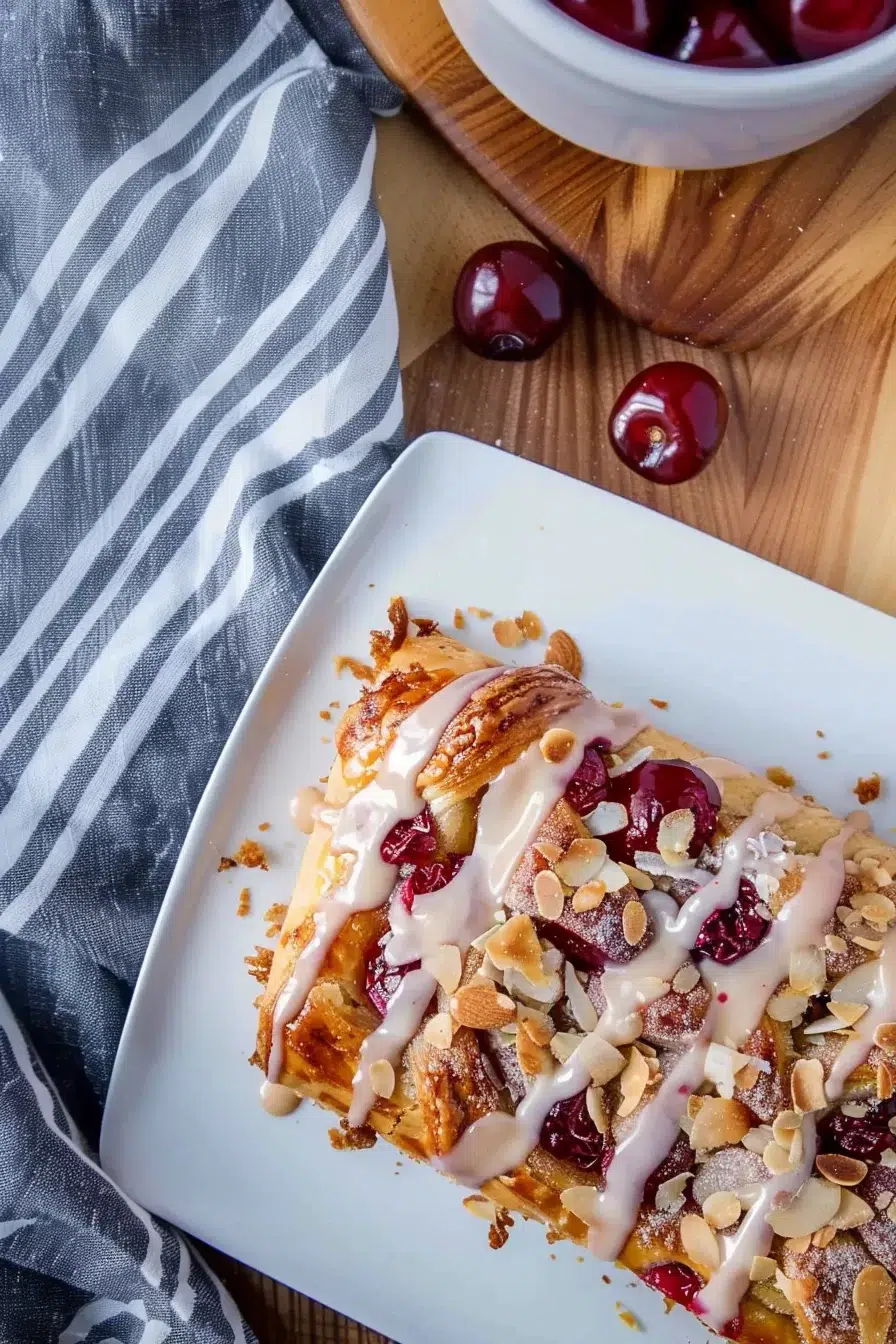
[607, 981]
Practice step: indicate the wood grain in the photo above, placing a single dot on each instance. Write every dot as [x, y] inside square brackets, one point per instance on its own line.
[734, 259]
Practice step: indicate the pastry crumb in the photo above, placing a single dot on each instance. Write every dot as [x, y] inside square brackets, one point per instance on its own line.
[553, 1237]
[324, 714]
[360, 671]
[552, 1256]
[659, 704]
[251, 855]
[226, 863]
[778, 775]
[617, 704]
[425, 626]
[245, 903]
[334, 704]
[349, 1139]
[260, 964]
[276, 914]
[628, 1317]
[819, 732]
[499, 1232]
[868, 790]
[824, 755]
[326, 740]
[482, 612]
[530, 624]
[580, 1259]
[264, 825]
[459, 622]
[606, 1278]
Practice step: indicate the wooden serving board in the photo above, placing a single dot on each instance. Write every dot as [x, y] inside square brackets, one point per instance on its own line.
[734, 258]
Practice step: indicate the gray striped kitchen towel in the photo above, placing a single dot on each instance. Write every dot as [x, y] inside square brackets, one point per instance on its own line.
[198, 387]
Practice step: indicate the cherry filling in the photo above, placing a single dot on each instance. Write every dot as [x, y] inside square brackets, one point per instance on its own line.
[582, 953]
[411, 841]
[589, 784]
[679, 1161]
[382, 980]
[429, 877]
[682, 1284]
[864, 1136]
[728, 935]
[569, 1133]
[652, 790]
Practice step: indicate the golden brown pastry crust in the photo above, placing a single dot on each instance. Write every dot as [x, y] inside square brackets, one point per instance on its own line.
[440, 1092]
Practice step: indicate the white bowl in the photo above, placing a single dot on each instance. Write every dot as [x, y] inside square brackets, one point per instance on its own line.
[647, 110]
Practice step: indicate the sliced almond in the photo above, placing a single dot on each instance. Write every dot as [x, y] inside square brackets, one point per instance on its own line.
[720, 1066]
[445, 966]
[674, 834]
[670, 1195]
[804, 1289]
[840, 1169]
[583, 1010]
[807, 1085]
[834, 943]
[786, 1005]
[722, 1209]
[640, 881]
[885, 1037]
[815, 1205]
[582, 861]
[589, 897]
[824, 1236]
[481, 1207]
[686, 978]
[885, 1080]
[580, 1200]
[847, 1013]
[633, 1082]
[795, 1152]
[548, 892]
[763, 1267]
[884, 1200]
[439, 1031]
[634, 922]
[607, 818]
[603, 1059]
[596, 1107]
[382, 1077]
[516, 947]
[747, 1077]
[612, 876]
[695, 1104]
[548, 850]
[869, 944]
[757, 1140]
[533, 1058]
[807, 970]
[872, 1297]
[556, 744]
[799, 1245]
[719, 1122]
[700, 1243]
[563, 1043]
[777, 1158]
[563, 651]
[480, 1006]
[539, 1025]
[848, 917]
[508, 634]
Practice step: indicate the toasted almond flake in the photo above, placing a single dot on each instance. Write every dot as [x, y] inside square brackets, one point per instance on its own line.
[484, 938]
[675, 833]
[869, 944]
[807, 970]
[786, 1005]
[885, 1081]
[763, 1267]
[640, 881]
[747, 1077]
[776, 1158]
[670, 1196]
[530, 625]
[580, 1200]
[807, 1085]
[721, 1065]
[633, 1082]
[612, 876]
[583, 1010]
[480, 1006]
[799, 1245]
[888, 1158]
[804, 1289]
[834, 943]
[700, 1242]
[815, 1205]
[695, 1104]
[603, 1059]
[516, 947]
[582, 861]
[634, 922]
[556, 744]
[795, 1152]
[607, 818]
[445, 965]
[884, 1200]
[872, 1297]
[885, 1037]
[784, 1124]
[382, 1077]
[548, 892]
[589, 897]
[481, 1207]
[783, 1283]
[853, 1212]
[533, 1059]
[563, 651]
[719, 1122]
[563, 1043]
[686, 978]
[778, 775]
[459, 621]
[722, 1209]
[508, 634]
[482, 612]
[548, 850]
[538, 1024]
[879, 910]
[439, 1031]
[847, 1013]
[595, 1105]
[848, 917]
[822, 1025]
[840, 1169]
[824, 1236]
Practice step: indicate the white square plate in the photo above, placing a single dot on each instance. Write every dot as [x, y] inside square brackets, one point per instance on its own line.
[752, 660]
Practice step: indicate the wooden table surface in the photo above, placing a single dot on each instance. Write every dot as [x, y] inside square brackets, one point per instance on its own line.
[806, 477]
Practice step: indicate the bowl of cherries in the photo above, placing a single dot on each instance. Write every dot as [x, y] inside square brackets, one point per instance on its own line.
[685, 83]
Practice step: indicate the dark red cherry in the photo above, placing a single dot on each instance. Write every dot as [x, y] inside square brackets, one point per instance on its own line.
[817, 28]
[636, 23]
[429, 877]
[865, 1136]
[588, 786]
[412, 841]
[569, 1133]
[582, 953]
[720, 33]
[650, 791]
[669, 421]
[511, 301]
[382, 980]
[727, 935]
[682, 1284]
[680, 1160]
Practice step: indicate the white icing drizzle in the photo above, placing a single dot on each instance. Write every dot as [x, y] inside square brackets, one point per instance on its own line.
[305, 807]
[510, 815]
[720, 768]
[719, 1300]
[749, 983]
[359, 830]
[874, 984]
[278, 1100]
